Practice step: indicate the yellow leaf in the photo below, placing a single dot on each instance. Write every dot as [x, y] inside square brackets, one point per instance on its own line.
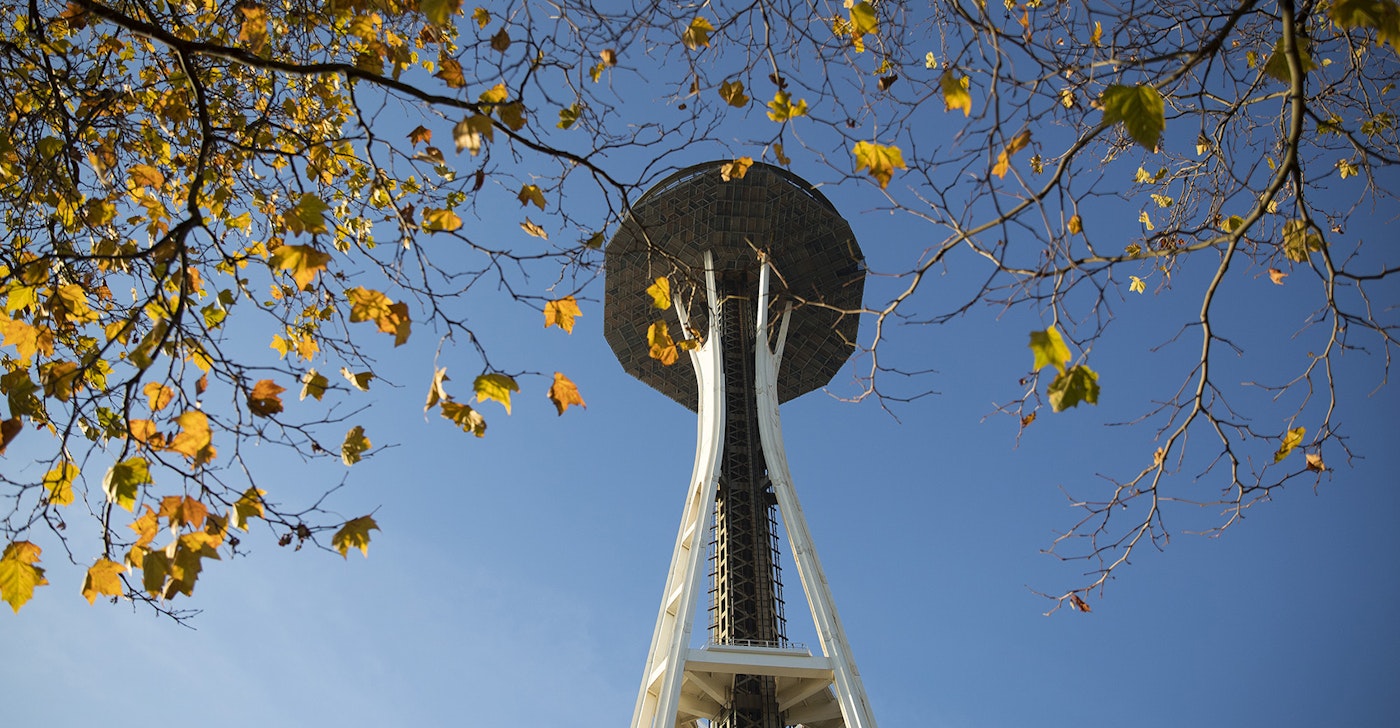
[735, 169]
[1076, 225]
[441, 221]
[955, 92]
[1096, 37]
[564, 393]
[1049, 348]
[308, 215]
[465, 417]
[533, 229]
[103, 577]
[440, 12]
[1146, 220]
[359, 381]
[182, 511]
[1016, 144]
[61, 379]
[451, 73]
[1137, 285]
[495, 386]
[59, 483]
[1291, 439]
[781, 107]
[248, 505]
[303, 261]
[531, 193]
[512, 115]
[863, 22]
[354, 534]
[18, 574]
[195, 439]
[663, 348]
[147, 526]
[697, 34]
[354, 446]
[482, 17]
[881, 160]
[158, 394]
[495, 95]
[733, 94]
[370, 305]
[436, 392]
[124, 480]
[562, 313]
[28, 340]
[470, 132]
[313, 384]
[263, 400]
[1277, 276]
[142, 175]
[660, 293]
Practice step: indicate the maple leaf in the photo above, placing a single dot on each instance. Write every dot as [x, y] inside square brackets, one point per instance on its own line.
[663, 348]
[781, 108]
[531, 193]
[881, 160]
[660, 293]
[450, 71]
[59, 483]
[733, 94]
[158, 394]
[1291, 439]
[420, 135]
[1049, 348]
[1016, 144]
[559, 313]
[123, 480]
[564, 393]
[470, 132]
[736, 169]
[182, 510]
[495, 386]
[354, 534]
[144, 175]
[146, 527]
[1139, 109]
[441, 221]
[195, 439]
[308, 215]
[303, 261]
[9, 430]
[18, 574]
[465, 417]
[354, 446]
[1137, 285]
[359, 381]
[697, 34]
[103, 577]
[1077, 384]
[440, 12]
[263, 400]
[371, 305]
[248, 505]
[313, 384]
[955, 92]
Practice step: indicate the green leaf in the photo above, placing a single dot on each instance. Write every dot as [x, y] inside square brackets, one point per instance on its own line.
[123, 480]
[1277, 65]
[18, 574]
[1139, 109]
[1383, 16]
[1049, 348]
[1291, 439]
[568, 116]
[495, 386]
[1078, 384]
[1300, 240]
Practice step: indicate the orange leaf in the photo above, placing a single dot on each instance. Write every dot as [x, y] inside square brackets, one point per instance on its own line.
[263, 400]
[564, 393]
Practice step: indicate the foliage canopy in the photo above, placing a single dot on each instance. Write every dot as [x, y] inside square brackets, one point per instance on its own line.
[208, 205]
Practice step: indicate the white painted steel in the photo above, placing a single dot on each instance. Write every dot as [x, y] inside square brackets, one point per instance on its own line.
[850, 692]
[658, 700]
[671, 664]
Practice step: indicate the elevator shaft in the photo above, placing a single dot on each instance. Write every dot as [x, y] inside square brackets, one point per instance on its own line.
[746, 606]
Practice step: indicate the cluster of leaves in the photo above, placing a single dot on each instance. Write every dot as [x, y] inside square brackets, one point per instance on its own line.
[205, 203]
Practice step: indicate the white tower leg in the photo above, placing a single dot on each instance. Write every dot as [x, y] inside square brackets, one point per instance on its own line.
[659, 698]
[682, 684]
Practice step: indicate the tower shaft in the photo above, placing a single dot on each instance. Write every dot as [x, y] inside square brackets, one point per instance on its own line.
[746, 605]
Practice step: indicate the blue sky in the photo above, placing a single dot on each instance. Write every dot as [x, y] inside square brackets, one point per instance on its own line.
[516, 578]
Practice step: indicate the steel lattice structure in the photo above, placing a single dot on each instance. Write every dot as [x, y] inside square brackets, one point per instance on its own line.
[765, 275]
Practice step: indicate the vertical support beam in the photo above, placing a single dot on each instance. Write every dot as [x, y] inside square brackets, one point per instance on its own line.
[850, 692]
[658, 700]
